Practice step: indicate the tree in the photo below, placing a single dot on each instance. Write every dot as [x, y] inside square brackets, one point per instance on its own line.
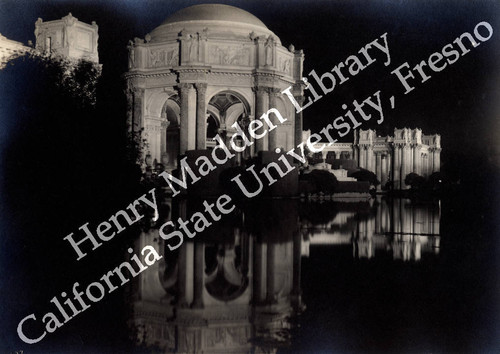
[322, 181]
[414, 180]
[363, 175]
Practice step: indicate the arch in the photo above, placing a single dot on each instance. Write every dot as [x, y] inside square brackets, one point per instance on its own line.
[171, 110]
[213, 126]
[233, 114]
[225, 278]
[156, 102]
[225, 108]
[170, 148]
[240, 96]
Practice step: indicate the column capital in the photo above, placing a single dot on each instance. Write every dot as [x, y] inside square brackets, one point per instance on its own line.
[137, 90]
[274, 91]
[201, 87]
[184, 86]
[259, 90]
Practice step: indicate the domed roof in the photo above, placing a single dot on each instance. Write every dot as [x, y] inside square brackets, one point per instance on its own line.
[220, 20]
[214, 12]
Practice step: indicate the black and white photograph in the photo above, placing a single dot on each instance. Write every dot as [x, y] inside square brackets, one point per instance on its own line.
[249, 176]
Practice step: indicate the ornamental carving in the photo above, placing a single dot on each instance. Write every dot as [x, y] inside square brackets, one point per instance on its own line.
[265, 80]
[163, 57]
[131, 55]
[223, 337]
[284, 65]
[229, 55]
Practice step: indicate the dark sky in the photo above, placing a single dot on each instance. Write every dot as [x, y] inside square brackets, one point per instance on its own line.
[460, 103]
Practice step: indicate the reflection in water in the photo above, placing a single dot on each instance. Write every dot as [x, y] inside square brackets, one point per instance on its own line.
[236, 287]
[400, 227]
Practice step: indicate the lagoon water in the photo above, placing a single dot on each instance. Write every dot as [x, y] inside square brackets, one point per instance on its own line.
[302, 276]
[287, 276]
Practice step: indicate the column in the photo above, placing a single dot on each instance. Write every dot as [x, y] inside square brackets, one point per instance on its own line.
[416, 158]
[182, 277]
[153, 129]
[390, 174]
[396, 167]
[410, 159]
[378, 168]
[273, 134]
[163, 146]
[130, 110]
[437, 160]
[184, 118]
[138, 103]
[201, 121]
[362, 157]
[369, 158]
[260, 93]
[183, 265]
[298, 122]
[199, 269]
[383, 167]
[260, 273]
[271, 274]
[431, 160]
[404, 150]
[192, 119]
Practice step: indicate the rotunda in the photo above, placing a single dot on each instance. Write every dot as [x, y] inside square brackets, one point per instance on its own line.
[203, 69]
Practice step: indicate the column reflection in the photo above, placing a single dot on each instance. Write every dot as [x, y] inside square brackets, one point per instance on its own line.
[400, 227]
[232, 289]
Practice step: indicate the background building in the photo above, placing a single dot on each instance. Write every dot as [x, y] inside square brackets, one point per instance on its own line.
[10, 49]
[391, 158]
[67, 37]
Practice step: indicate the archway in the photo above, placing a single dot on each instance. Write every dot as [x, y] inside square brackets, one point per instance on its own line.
[170, 144]
[226, 271]
[224, 109]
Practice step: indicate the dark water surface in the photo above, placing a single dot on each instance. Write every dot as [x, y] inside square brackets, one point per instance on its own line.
[294, 276]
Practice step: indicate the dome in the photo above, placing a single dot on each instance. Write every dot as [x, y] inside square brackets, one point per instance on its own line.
[214, 12]
[222, 21]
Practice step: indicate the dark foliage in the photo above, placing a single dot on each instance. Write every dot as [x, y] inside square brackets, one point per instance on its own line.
[321, 181]
[63, 164]
[415, 181]
[363, 175]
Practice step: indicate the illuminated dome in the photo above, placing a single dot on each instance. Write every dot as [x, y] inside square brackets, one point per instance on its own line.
[220, 20]
[214, 12]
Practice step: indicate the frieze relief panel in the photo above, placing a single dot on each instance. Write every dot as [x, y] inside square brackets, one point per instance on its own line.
[285, 65]
[235, 55]
[162, 57]
[226, 337]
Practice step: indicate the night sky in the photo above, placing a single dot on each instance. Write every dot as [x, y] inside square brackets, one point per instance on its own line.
[462, 103]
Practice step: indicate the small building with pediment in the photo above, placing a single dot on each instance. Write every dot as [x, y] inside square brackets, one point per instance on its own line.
[67, 37]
